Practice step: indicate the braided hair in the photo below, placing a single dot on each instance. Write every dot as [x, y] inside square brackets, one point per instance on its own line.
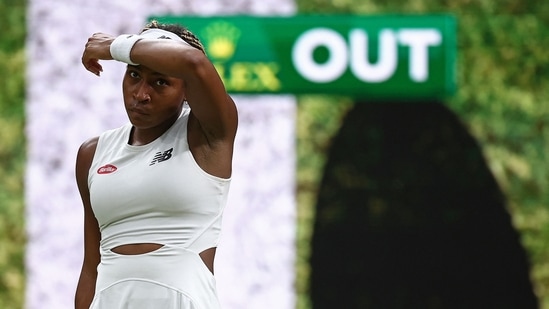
[181, 31]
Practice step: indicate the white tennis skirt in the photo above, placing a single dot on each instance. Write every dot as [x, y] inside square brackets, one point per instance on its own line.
[169, 278]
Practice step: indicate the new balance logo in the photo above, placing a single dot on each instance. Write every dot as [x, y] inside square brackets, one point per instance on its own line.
[161, 156]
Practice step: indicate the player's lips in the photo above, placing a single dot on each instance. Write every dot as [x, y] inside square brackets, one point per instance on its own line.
[139, 111]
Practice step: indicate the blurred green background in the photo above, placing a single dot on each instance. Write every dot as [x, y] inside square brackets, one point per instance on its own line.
[502, 98]
[12, 152]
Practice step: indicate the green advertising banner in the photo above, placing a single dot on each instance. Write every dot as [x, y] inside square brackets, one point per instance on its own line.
[369, 57]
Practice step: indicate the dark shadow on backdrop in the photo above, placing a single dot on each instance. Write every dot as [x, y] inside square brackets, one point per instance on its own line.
[409, 216]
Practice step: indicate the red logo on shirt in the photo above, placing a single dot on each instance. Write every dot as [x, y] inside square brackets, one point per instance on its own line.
[107, 169]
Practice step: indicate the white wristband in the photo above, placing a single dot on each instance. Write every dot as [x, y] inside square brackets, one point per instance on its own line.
[122, 46]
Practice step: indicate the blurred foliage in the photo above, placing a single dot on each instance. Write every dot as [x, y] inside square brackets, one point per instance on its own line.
[502, 97]
[12, 153]
[318, 119]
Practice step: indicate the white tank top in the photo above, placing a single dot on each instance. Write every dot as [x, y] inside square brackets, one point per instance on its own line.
[155, 193]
